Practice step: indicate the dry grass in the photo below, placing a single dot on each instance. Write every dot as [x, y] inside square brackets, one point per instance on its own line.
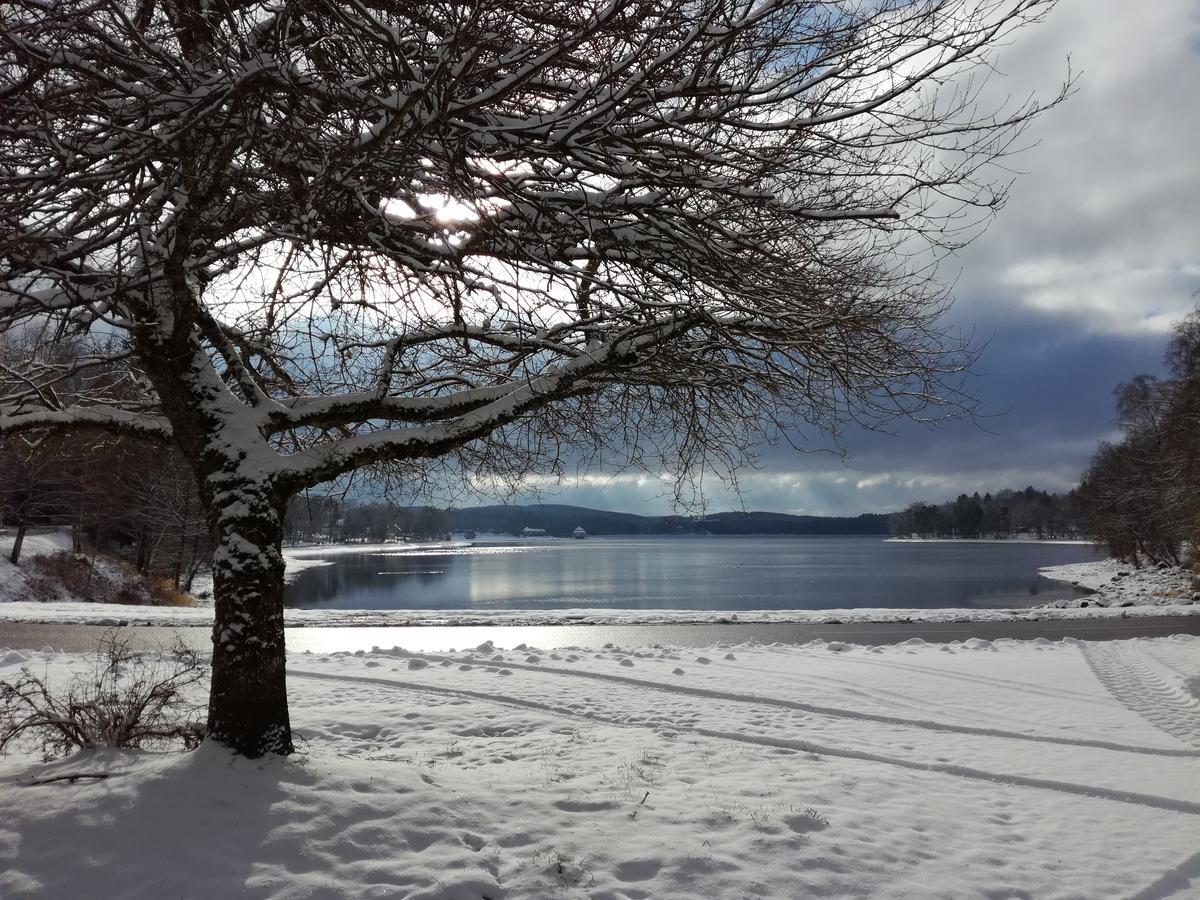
[99, 580]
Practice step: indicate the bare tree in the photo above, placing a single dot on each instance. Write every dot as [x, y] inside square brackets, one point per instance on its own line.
[318, 235]
[1142, 494]
[33, 490]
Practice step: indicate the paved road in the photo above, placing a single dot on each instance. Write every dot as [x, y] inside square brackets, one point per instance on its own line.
[436, 638]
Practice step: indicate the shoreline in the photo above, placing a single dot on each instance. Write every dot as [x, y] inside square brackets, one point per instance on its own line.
[960, 540]
[1116, 584]
[105, 614]
[1118, 591]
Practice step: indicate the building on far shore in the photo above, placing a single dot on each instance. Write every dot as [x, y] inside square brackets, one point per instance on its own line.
[579, 534]
[533, 532]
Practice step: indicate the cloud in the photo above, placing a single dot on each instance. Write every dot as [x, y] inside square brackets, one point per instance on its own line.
[1101, 225]
[1073, 287]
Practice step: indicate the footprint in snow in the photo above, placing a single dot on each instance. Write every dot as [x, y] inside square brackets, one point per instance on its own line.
[627, 662]
[584, 806]
[414, 664]
[474, 841]
[806, 822]
[730, 656]
[703, 660]
[677, 671]
[637, 870]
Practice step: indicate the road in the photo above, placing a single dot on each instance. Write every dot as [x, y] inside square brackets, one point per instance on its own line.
[77, 638]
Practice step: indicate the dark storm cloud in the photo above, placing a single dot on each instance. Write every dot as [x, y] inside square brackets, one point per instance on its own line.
[1074, 286]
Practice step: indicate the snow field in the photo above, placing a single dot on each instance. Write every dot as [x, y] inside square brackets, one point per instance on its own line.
[981, 769]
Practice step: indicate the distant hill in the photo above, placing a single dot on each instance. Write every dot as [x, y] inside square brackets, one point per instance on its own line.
[560, 520]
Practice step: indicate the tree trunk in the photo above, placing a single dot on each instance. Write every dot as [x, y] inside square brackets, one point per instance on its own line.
[17, 542]
[183, 523]
[143, 549]
[248, 707]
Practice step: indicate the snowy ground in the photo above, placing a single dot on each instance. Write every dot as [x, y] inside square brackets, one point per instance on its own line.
[12, 578]
[1048, 770]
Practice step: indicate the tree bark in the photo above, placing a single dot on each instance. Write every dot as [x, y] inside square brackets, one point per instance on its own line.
[248, 707]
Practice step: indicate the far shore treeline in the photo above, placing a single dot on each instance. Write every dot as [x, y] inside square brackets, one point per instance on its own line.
[1005, 514]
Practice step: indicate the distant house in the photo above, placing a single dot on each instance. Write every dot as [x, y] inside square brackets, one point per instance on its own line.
[579, 534]
[533, 532]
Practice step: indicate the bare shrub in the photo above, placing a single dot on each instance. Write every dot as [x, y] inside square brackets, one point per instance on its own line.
[132, 698]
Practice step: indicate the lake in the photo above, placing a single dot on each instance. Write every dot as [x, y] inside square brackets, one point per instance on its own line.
[705, 573]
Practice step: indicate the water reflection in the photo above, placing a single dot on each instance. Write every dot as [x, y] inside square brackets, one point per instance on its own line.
[690, 573]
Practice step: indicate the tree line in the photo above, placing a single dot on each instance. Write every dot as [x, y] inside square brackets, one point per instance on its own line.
[1005, 514]
[331, 519]
[124, 498]
[1141, 493]
[119, 496]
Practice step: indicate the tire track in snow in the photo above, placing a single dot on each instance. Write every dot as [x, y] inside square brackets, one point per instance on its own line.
[828, 711]
[1185, 668]
[987, 681]
[1131, 679]
[1151, 801]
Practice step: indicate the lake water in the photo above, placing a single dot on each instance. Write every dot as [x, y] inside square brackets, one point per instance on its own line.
[721, 573]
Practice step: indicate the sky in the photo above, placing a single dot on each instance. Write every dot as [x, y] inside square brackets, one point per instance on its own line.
[1074, 287]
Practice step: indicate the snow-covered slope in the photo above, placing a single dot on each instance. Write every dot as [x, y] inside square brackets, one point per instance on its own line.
[976, 770]
[12, 578]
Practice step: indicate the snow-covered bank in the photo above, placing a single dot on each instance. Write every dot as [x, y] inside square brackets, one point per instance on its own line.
[975, 770]
[1012, 540]
[41, 543]
[112, 614]
[1118, 584]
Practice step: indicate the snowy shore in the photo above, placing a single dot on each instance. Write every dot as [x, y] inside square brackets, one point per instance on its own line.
[1119, 585]
[973, 770]
[111, 614]
[1012, 540]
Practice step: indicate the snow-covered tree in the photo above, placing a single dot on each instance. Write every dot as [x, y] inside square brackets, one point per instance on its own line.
[318, 235]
